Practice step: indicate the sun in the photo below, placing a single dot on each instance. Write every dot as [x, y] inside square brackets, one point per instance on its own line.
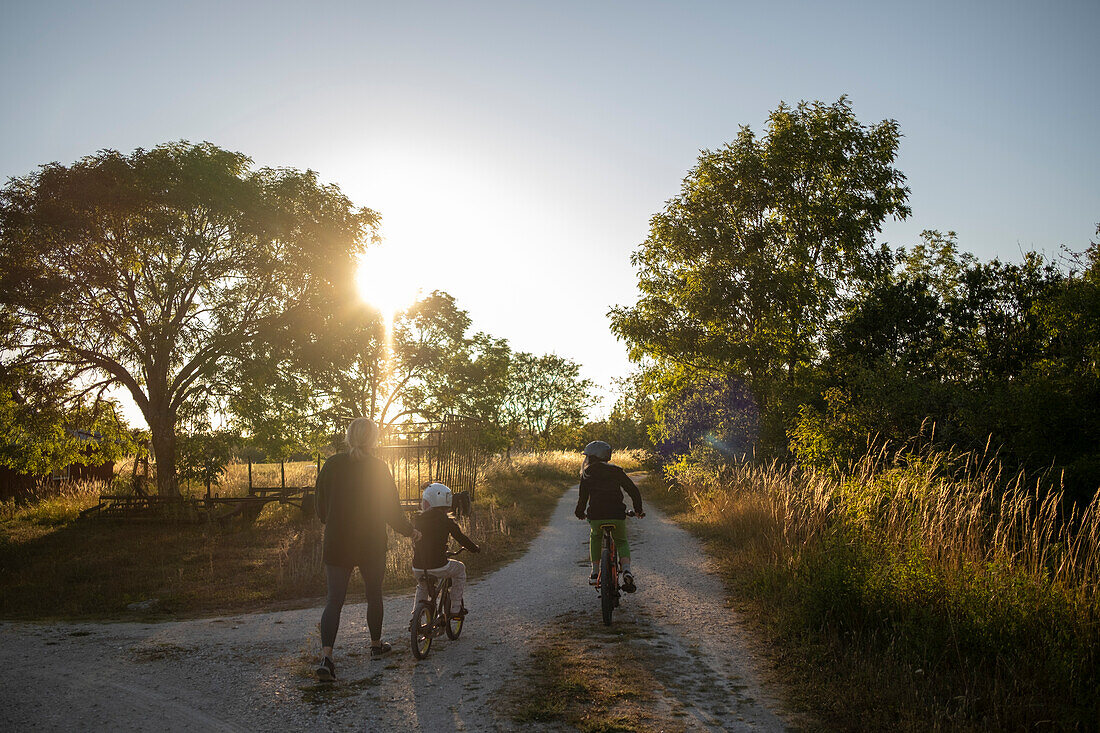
[386, 280]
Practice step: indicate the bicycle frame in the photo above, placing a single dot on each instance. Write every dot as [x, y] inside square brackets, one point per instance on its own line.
[438, 618]
[607, 581]
[609, 544]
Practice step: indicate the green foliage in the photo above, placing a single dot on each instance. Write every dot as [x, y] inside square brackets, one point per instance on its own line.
[294, 394]
[991, 353]
[203, 456]
[34, 442]
[426, 365]
[56, 506]
[632, 415]
[546, 401]
[42, 430]
[742, 273]
[771, 323]
[277, 408]
[693, 409]
[201, 284]
[833, 439]
[449, 372]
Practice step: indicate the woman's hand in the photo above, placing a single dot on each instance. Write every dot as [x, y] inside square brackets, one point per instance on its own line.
[417, 535]
[579, 513]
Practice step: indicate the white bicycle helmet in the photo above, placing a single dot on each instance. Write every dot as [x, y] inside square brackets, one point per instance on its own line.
[436, 495]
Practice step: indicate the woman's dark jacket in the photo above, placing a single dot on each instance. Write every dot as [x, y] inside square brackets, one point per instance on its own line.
[602, 487]
[355, 502]
[437, 526]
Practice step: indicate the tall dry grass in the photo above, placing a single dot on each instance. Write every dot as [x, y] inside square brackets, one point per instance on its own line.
[961, 512]
[54, 503]
[986, 584]
[234, 482]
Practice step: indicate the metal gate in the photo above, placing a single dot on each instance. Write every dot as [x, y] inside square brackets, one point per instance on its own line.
[418, 453]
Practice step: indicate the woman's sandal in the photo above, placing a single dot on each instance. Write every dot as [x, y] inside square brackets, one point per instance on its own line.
[383, 648]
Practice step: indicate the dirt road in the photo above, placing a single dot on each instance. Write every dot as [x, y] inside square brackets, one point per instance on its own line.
[253, 672]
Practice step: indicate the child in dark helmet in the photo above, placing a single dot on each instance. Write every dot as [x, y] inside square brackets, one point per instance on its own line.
[601, 502]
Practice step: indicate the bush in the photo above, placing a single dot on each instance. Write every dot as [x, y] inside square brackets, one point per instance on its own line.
[832, 439]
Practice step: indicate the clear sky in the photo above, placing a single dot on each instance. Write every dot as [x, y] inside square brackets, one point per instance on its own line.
[516, 150]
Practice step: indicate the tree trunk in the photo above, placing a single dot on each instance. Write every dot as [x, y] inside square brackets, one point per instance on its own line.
[162, 426]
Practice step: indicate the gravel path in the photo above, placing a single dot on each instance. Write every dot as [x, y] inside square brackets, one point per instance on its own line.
[253, 672]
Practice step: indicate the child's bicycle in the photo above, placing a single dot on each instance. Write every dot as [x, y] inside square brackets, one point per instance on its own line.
[431, 617]
[607, 583]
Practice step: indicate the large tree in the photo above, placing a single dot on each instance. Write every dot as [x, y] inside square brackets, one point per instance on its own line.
[742, 271]
[151, 270]
[388, 370]
[429, 343]
[546, 394]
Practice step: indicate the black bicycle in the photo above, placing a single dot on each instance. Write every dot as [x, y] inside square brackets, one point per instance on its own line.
[432, 617]
[607, 582]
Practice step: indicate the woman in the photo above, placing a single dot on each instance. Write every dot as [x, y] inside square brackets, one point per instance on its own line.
[356, 499]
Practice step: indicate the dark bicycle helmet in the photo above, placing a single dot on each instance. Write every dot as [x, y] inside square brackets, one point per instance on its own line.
[598, 449]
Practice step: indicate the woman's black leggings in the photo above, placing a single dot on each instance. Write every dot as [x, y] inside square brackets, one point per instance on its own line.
[337, 579]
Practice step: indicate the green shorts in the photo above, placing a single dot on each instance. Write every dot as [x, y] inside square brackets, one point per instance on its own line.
[595, 541]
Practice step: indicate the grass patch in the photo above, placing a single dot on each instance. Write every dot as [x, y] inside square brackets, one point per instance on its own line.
[95, 569]
[907, 596]
[54, 566]
[587, 679]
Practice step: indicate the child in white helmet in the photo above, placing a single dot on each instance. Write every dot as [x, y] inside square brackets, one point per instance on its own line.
[436, 525]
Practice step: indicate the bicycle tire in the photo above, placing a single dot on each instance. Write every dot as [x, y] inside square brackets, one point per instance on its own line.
[607, 586]
[420, 630]
[453, 626]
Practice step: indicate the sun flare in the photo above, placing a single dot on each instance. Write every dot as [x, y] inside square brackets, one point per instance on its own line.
[387, 281]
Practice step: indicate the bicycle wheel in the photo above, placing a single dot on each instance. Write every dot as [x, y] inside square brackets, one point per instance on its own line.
[607, 586]
[420, 630]
[453, 625]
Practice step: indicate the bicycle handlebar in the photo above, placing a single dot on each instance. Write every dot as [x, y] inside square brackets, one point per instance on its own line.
[629, 513]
